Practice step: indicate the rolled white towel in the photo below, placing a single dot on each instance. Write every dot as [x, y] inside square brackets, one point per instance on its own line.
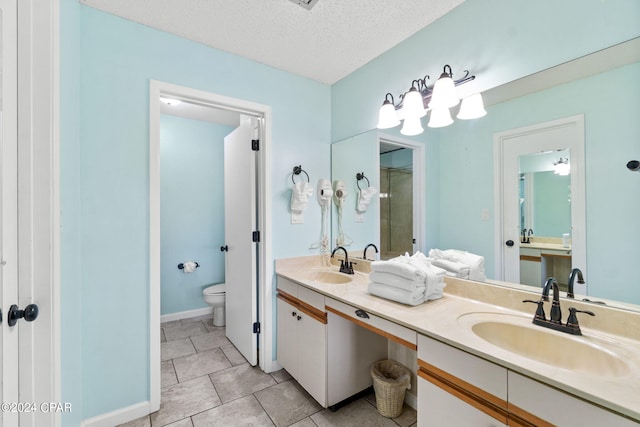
[399, 268]
[396, 294]
[300, 194]
[364, 198]
[396, 281]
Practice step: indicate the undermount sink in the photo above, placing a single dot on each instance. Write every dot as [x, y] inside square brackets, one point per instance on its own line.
[517, 334]
[328, 277]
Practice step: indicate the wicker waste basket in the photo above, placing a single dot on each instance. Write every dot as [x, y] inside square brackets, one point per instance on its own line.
[390, 381]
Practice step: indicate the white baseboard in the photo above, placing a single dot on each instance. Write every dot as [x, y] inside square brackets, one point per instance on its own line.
[119, 416]
[411, 400]
[186, 314]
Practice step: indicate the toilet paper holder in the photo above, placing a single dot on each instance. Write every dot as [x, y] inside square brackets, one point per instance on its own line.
[181, 266]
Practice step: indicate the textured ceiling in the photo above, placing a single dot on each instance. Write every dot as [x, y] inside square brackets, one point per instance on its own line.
[325, 43]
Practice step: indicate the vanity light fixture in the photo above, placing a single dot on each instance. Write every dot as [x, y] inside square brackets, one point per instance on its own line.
[561, 167]
[421, 98]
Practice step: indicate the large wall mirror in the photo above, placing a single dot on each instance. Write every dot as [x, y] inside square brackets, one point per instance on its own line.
[459, 193]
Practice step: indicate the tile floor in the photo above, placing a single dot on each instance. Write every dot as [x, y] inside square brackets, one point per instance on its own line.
[207, 382]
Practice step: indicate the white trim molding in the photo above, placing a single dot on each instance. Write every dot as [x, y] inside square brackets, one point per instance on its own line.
[186, 314]
[119, 416]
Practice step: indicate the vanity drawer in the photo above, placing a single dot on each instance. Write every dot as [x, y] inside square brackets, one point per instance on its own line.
[384, 327]
[286, 285]
[529, 252]
[310, 297]
[478, 372]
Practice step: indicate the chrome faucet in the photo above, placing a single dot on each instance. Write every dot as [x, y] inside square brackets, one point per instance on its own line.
[572, 278]
[555, 317]
[345, 266]
[364, 254]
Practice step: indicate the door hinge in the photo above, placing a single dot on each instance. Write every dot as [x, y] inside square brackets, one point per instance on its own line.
[256, 327]
[255, 236]
[255, 144]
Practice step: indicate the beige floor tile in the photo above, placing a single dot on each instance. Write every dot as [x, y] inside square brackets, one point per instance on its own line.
[182, 423]
[185, 399]
[306, 422]
[234, 356]
[177, 348]
[202, 318]
[170, 323]
[199, 364]
[168, 374]
[287, 403]
[139, 422]
[242, 412]
[281, 376]
[162, 337]
[211, 340]
[356, 414]
[240, 381]
[184, 330]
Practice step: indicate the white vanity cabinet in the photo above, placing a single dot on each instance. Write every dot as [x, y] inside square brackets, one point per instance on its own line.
[530, 267]
[554, 407]
[302, 337]
[459, 389]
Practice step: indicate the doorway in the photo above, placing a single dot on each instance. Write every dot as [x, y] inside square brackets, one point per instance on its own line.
[263, 266]
[401, 196]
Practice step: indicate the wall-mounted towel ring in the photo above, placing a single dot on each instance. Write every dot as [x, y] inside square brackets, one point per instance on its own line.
[181, 266]
[360, 176]
[296, 171]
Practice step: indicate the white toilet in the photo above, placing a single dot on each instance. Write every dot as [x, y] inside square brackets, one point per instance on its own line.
[215, 297]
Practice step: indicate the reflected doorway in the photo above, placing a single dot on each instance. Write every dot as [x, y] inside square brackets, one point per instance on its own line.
[396, 201]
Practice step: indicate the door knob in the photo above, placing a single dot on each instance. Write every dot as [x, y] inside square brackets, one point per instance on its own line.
[224, 248]
[509, 243]
[30, 313]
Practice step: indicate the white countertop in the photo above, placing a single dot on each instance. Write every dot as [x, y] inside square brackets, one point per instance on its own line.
[439, 319]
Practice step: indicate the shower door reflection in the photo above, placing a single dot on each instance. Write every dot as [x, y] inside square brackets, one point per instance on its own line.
[396, 211]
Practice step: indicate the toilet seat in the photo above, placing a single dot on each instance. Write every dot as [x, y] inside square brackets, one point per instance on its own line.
[214, 290]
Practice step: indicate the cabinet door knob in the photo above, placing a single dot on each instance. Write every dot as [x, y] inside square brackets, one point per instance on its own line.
[299, 317]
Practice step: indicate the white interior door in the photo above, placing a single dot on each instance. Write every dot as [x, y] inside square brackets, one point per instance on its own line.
[8, 210]
[240, 221]
[551, 136]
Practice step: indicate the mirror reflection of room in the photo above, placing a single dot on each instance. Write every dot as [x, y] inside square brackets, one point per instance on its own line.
[545, 217]
[396, 201]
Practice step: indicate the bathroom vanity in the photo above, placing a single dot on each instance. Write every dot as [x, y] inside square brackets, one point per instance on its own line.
[539, 260]
[479, 359]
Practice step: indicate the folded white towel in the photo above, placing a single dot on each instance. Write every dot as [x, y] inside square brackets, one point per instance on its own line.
[399, 268]
[396, 281]
[300, 195]
[454, 268]
[396, 294]
[364, 198]
[474, 262]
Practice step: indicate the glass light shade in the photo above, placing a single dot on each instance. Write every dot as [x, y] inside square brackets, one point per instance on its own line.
[562, 168]
[444, 93]
[472, 108]
[440, 117]
[387, 116]
[412, 104]
[411, 126]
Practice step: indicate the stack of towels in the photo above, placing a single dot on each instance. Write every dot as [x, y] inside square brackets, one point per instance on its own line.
[457, 263]
[407, 279]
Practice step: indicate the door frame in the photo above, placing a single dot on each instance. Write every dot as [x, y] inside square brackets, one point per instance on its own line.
[578, 205]
[265, 270]
[418, 160]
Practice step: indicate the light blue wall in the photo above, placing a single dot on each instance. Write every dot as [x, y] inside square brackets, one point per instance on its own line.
[108, 63]
[498, 40]
[551, 204]
[191, 210]
[397, 159]
[349, 158]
